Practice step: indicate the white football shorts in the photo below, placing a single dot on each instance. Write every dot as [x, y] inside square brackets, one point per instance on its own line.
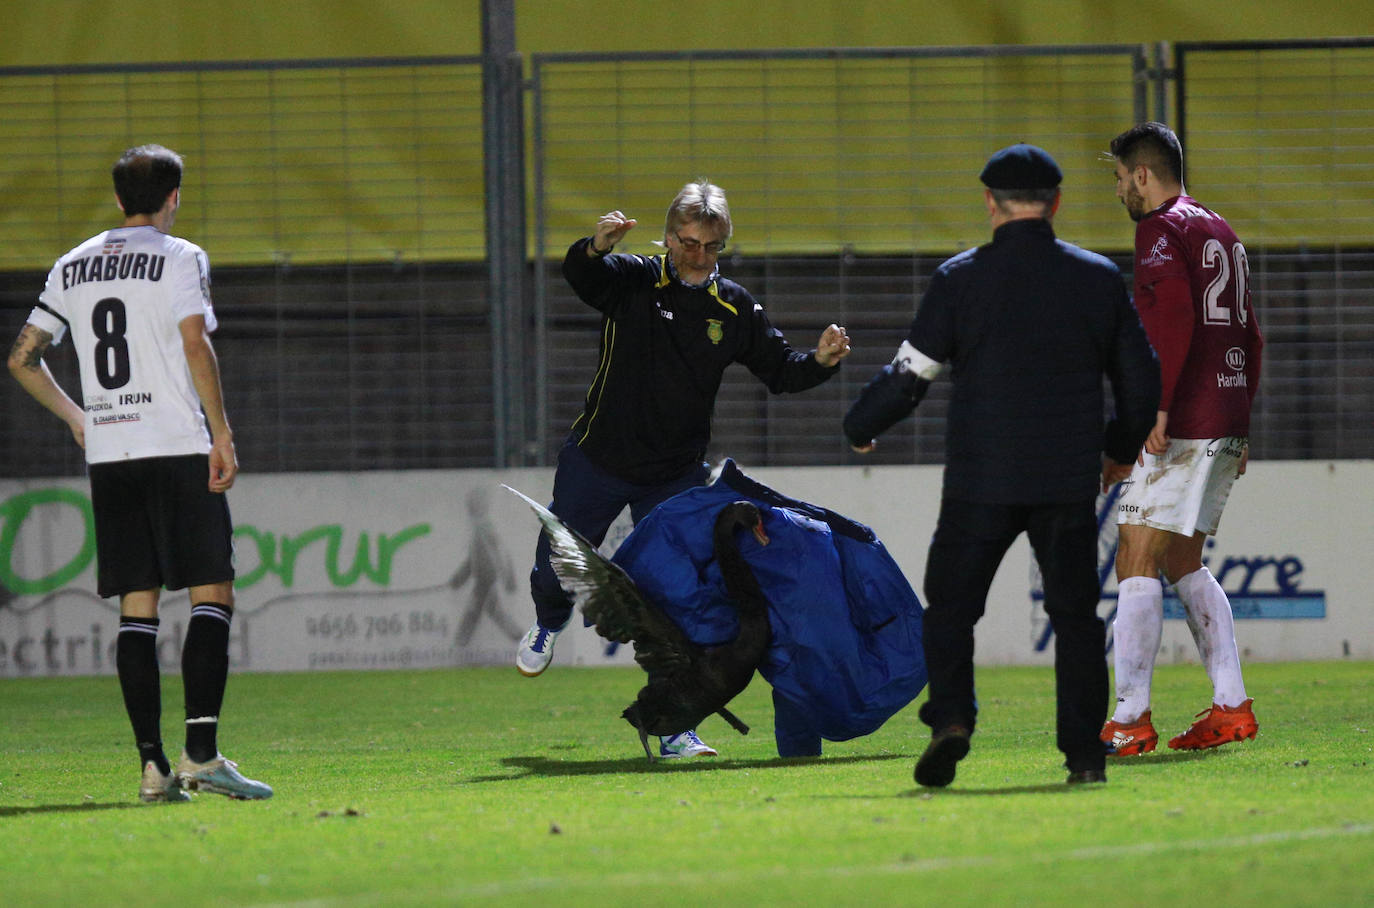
[1184, 490]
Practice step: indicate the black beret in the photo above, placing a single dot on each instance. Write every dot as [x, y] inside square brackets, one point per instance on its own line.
[1021, 166]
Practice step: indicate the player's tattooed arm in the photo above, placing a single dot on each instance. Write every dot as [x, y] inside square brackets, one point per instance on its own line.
[29, 347]
[27, 366]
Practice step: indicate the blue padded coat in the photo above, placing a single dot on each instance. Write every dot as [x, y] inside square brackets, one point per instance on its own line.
[846, 649]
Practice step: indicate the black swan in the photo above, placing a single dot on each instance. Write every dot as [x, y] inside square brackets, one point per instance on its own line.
[687, 682]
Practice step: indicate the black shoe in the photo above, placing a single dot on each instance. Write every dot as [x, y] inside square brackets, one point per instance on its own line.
[947, 747]
[1086, 776]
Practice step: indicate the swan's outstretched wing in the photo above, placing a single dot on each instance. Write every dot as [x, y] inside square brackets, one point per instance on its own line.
[609, 597]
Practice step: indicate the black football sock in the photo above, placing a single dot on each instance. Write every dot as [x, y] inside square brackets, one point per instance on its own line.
[205, 668]
[139, 679]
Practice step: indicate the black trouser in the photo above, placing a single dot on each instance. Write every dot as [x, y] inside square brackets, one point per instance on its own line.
[970, 540]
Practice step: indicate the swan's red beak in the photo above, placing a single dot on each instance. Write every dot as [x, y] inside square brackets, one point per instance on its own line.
[759, 534]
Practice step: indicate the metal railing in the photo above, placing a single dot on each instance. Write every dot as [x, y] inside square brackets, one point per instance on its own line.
[344, 206]
[851, 174]
[1278, 136]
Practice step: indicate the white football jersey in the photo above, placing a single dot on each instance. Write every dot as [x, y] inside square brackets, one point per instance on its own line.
[121, 295]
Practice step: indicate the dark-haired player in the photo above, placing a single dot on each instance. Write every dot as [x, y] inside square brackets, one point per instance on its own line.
[136, 302]
[1193, 294]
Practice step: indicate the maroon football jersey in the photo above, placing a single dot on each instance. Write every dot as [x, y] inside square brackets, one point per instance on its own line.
[1192, 290]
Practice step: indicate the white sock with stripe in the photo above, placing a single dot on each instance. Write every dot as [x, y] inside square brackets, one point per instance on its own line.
[204, 669]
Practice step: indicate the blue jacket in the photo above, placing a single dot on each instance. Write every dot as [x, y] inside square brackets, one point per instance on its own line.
[846, 650]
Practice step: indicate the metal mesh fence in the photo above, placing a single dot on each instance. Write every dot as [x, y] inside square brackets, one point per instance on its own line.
[343, 207]
[851, 175]
[1278, 138]
[293, 162]
[341, 204]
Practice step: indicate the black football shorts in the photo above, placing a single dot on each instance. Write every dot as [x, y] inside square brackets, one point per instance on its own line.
[157, 524]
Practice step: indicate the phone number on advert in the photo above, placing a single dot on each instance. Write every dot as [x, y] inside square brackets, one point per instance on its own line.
[367, 627]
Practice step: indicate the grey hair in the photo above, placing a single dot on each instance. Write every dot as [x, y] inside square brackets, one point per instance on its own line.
[700, 202]
[1042, 197]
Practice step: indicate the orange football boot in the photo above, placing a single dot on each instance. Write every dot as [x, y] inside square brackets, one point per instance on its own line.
[1129, 740]
[1217, 725]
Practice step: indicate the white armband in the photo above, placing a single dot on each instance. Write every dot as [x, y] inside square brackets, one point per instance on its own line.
[909, 359]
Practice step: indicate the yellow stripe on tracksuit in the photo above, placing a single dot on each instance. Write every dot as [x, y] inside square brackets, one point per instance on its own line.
[602, 370]
[713, 292]
[608, 347]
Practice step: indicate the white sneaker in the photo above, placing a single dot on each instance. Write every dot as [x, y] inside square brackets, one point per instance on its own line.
[686, 744]
[157, 787]
[221, 776]
[535, 651]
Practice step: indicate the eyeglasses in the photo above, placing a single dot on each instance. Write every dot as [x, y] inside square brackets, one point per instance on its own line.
[692, 245]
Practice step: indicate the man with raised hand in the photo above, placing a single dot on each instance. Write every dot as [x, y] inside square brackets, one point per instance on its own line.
[670, 326]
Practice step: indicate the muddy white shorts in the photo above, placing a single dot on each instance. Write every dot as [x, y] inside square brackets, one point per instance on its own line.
[1183, 490]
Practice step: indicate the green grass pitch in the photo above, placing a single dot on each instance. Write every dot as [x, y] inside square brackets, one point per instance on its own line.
[477, 786]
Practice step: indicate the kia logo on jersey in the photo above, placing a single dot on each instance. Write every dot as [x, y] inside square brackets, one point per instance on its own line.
[1235, 358]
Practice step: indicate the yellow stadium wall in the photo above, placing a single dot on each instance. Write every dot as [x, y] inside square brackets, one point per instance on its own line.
[113, 31]
[383, 201]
